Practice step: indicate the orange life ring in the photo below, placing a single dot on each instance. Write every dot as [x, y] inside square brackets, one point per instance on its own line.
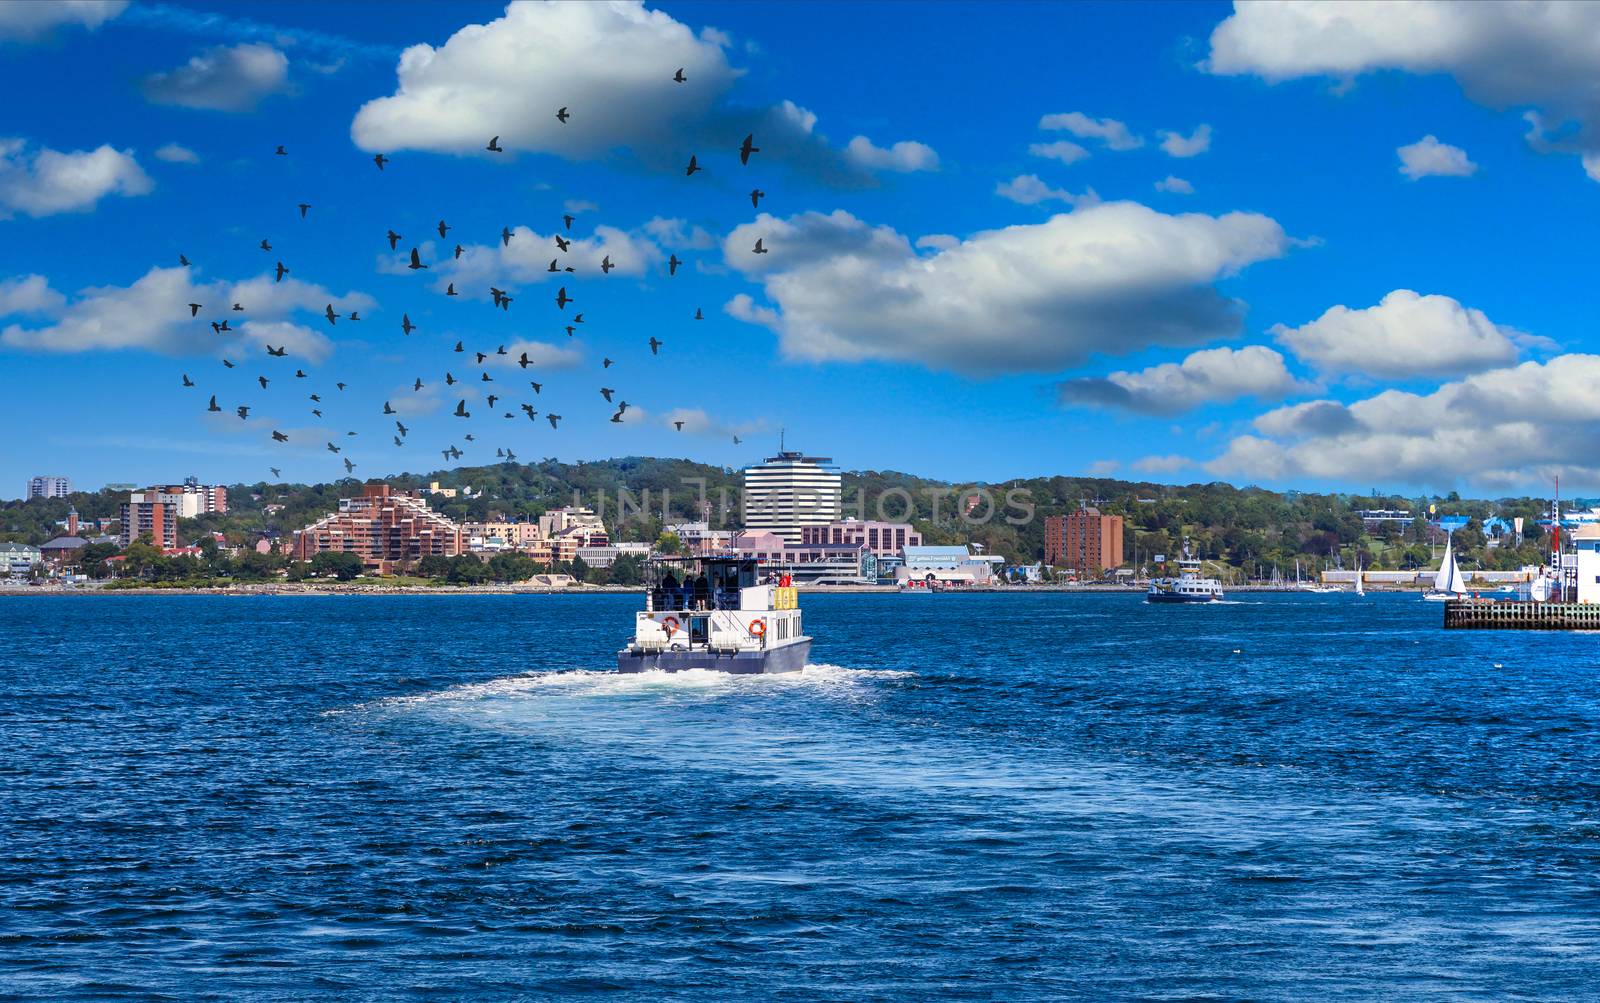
[758, 628]
[670, 625]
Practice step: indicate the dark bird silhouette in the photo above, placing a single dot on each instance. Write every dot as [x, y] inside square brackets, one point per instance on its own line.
[213, 405]
[606, 392]
[224, 326]
[655, 345]
[570, 329]
[238, 306]
[481, 357]
[737, 440]
[756, 195]
[561, 115]
[617, 417]
[303, 207]
[496, 293]
[461, 410]
[243, 410]
[348, 466]
[746, 148]
[563, 243]
[694, 165]
[315, 397]
[442, 229]
[567, 219]
[524, 361]
[275, 471]
[316, 412]
[388, 408]
[450, 290]
[299, 374]
[494, 146]
[350, 433]
[280, 151]
[510, 456]
[399, 441]
[278, 352]
[552, 419]
[416, 262]
[678, 425]
[605, 363]
[562, 299]
[698, 315]
[418, 384]
[460, 251]
[505, 302]
[187, 381]
[537, 387]
[281, 272]
[622, 406]
[505, 236]
[265, 244]
[328, 313]
[194, 309]
[216, 327]
[486, 378]
[332, 448]
[530, 411]
[227, 364]
[758, 249]
[678, 77]
[183, 261]
[406, 325]
[394, 238]
[459, 347]
[380, 160]
[341, 386]
[553, 267]
[354, 315]
[402, 429]
[278, 436]
[449, 380]
[492, 399]
[672, 265]
[606, 265]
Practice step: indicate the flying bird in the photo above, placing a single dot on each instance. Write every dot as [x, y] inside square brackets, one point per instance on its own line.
[553, 267]
[227, 364]
[265, 244]
[678, 77]
[672, 265]
[402, 429]
[394, 238]
[280, 151]
[529, 409]
[299, 374]
[187, 381]
[316, 412]
[756, 195]
[278, 352]
[275, 471]
[606, 363]
[328, 313]
[567, 219]
[698, 315]
[238, 306]
[418, 384]
[505, 302]
[406, 325]
[562, 299]
[606, 392]
[316, 397]
[332, 448]
[450, 290]
[655, 345]
[617, 418]
[416, 262]
[194, 309]
[459, 347]
[354, 315]
[505, 236]
[399, 441]
[678, 425]
[496, 293]
[486, 378]
[303, 206]
[537, 387]
[524, 361]
[281, 272]
[380, 160]
[213, 405]
[388, 408]
[461, 410]
[563, 243]
[758, 249]
[481, 357]
[278, 436]
[606, 265]
[183, 261]
[562, 116]
[494, 146]
[569, 330]
[460, 251]
[746, 148]
[694, 165]
[348, 466]
[552, 419]
[449, 380]
[737, 440]
[442, 229]
[243, 411]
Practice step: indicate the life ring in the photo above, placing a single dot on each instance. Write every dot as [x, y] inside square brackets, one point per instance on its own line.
[671, 625]
[758, 628]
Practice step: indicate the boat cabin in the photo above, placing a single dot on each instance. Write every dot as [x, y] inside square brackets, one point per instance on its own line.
[716, 603]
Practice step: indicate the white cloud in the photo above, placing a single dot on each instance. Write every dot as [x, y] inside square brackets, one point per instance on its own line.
[1428, 157]
[742, 307]
[526, 260]
[1113, 134]
[1102, 468]
[153, 314]
[579, 205]
[1405, 335]
[225, 78]
[301, 341]
[1116, 277]
[173, 153]
[1175, 144]
[905, 156]
[1062, 150]
[1504, 55]
[1028, 189]
[27, 20]
[938, 242]
[47, 182]
[1174, 185]
[698, 422]
[1510, 429]
[29, 294]
[1211, 376]
[1169, 464]
[611, 66]
[679, 233]
[541, 355]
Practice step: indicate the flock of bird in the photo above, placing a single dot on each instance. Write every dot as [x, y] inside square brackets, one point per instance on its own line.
[501, 299]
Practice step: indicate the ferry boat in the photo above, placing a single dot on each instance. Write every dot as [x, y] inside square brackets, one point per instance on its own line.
[1189, 586]
[716, 613]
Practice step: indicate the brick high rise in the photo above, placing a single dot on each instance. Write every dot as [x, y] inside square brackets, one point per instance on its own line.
[1085, 541]
[382, 527]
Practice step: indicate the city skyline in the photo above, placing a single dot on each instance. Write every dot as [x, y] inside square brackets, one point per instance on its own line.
[1220, 255]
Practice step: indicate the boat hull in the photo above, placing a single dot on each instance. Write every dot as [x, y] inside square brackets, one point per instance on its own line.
[785, 658]
[1178, 597]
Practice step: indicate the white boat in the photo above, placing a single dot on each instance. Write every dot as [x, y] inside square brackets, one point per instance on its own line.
[1312, 585]
[719, 615]
[1448, 583]
[1189, 586]
[1360, 588]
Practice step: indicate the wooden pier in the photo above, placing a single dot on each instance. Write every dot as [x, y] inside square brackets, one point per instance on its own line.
[1491, 614]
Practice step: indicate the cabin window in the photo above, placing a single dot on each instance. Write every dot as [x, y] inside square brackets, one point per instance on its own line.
[697, 630]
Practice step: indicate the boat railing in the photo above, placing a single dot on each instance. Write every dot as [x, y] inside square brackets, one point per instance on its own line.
[682, 600]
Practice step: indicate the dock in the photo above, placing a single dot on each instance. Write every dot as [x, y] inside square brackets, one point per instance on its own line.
[1490, 614]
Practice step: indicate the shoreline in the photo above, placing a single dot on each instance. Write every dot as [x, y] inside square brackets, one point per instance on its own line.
[334, 589]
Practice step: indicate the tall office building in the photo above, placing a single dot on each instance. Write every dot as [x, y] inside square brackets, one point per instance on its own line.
[143, 515]
[1085, 541]
[49, 487]
[785, 493]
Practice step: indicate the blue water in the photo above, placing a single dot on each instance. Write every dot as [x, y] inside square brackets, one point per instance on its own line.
[969, 797]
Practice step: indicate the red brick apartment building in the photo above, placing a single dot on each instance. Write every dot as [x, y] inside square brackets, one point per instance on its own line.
[384, 528]
[1085, 541]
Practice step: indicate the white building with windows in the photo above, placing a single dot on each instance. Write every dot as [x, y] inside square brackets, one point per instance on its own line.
[790, 491]
[49, 487]
[1586, 539]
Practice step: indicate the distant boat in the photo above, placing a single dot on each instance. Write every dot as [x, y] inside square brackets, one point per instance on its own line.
[1448, 582]
[1188, 587]
[1360, 591]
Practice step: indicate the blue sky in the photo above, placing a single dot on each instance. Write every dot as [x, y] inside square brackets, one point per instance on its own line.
[1167, 241]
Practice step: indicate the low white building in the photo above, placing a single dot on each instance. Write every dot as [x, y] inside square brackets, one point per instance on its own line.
[17, 560]
[951, 565]
[1586, 539]
[604, 557]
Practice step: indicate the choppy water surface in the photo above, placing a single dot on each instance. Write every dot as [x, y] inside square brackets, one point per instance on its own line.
[972, 797]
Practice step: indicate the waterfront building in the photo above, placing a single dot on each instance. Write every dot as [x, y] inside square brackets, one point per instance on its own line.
[17, 560]
[1085, 541]
[786, 493]
[604, 557]
[144, 515]
[62, 550]
[49, 486]
[850, 563]
[188, 500]
[699, 539]
[383, 528]
[1586, 540]
[500, 535]
[577, 522]
[884, 539]
[950, 565]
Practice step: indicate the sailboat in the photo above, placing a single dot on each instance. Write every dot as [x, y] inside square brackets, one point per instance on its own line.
[1448, 582]
[1311, 585]
[1360, 591]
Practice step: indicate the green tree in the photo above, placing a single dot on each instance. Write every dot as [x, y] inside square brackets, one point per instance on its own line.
[340, 565]
[435, 566]
[468, 570]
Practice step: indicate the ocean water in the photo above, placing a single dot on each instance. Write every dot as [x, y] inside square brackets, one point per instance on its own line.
[1288, 797]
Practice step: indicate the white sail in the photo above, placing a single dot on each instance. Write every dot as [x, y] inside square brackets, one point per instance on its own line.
[1441, 580]
[1455, 583]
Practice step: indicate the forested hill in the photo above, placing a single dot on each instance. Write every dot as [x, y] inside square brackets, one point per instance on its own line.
[637, 495]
